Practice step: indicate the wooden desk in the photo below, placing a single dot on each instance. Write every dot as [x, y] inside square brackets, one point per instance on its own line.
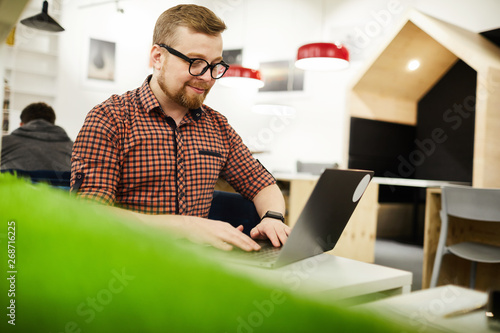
[416, 235]
[453, 269]
[334, 279]
[424, 310]
[358, 239]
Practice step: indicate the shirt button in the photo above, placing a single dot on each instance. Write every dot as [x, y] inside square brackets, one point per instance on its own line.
[180, 160]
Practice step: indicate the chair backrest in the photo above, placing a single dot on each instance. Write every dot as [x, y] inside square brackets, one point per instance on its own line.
[471, 203]
[314, 168]
[60, 179]
[235, 209]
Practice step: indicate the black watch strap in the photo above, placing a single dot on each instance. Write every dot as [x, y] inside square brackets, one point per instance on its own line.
[274, 215]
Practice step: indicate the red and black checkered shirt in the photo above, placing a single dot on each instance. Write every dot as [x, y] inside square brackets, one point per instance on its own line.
[131, 154]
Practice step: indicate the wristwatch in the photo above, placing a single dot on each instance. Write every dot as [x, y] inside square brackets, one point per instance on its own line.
[273, 215]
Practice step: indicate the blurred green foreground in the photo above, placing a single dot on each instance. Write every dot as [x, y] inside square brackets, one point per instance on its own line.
[78, 268]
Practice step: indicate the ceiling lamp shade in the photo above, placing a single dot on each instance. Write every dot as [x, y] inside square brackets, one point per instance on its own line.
[274, 109]
[239, 76]
[43, 21]
[322, 57]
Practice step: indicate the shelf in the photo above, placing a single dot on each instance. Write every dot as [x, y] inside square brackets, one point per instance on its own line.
[14, 50]
[31, 65]
[30, 72]
[31, 93]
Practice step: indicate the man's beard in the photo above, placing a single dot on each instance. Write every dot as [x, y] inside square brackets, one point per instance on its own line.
[181, 97]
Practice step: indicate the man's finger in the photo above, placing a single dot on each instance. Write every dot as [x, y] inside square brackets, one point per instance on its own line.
[222, 245]
[282, 235]
[274, 239]
[255, 233]
[239, 239]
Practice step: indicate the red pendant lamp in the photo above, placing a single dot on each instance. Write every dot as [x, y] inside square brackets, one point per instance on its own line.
[322, 57]
[239, 76]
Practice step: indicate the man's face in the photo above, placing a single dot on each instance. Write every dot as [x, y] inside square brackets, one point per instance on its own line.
[174, 79]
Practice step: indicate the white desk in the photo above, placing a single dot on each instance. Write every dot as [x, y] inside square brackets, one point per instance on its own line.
[424, 183]
[333, 279]
[425, 310]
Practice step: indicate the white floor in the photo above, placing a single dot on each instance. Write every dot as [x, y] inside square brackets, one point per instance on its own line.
[402, 256]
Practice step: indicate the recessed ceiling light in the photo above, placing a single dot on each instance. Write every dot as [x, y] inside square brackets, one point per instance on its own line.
[413, 64]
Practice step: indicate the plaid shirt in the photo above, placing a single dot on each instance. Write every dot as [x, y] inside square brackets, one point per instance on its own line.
[131, 154]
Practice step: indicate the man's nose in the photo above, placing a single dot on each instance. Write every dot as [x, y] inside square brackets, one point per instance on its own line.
[207, 76]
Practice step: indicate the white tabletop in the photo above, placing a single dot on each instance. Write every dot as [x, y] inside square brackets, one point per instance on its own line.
[414, 182]
[378, 180]
[333, 278]
[426, 310]
[295, 176]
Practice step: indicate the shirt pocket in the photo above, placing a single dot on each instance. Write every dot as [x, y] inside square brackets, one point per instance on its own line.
[211, 161]
[204, 167]
[209, 153]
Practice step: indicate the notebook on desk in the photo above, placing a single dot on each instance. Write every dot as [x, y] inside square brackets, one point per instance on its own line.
[320, 223]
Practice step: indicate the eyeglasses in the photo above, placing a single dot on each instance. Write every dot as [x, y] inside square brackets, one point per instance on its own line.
[198, 66]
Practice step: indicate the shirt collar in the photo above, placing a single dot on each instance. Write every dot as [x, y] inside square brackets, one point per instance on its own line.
[150, 103]
[196, 113]
[147, 98]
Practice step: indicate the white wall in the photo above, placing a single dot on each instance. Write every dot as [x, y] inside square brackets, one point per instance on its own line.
[267, 31]
[131, 33]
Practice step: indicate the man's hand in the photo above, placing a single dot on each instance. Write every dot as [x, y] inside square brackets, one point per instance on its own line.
[219, 234]
[275, 230]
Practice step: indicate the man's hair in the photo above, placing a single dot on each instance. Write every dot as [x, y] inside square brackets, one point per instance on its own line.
[38, 111]
[197, 18]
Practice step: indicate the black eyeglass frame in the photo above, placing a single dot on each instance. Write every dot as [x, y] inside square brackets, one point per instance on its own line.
[192, 60]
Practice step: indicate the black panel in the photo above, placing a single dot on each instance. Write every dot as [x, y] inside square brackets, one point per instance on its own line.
[492, 35]
[440, 147]
[377, 145]
[380, 146]
[444, 144]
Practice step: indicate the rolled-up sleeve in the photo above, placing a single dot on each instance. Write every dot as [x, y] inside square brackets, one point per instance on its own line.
[95, 162]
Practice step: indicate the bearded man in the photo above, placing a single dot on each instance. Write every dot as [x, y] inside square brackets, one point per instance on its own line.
[157, 151]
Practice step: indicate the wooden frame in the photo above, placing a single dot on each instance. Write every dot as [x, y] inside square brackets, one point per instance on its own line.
[385, 90]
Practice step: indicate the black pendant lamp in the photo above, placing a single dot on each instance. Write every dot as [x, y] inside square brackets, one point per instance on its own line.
[43, 21]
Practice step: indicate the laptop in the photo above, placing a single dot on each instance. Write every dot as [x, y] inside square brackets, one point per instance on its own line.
[320, 223]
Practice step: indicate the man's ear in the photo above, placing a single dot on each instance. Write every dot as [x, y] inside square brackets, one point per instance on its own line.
[155, 59]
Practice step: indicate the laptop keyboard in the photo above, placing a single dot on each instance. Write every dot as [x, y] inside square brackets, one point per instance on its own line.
[267, 253]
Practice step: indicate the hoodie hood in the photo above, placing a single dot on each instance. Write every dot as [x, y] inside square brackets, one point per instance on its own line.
[43, 130]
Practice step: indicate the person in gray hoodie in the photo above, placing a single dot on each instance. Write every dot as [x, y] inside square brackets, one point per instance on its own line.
[38, 144]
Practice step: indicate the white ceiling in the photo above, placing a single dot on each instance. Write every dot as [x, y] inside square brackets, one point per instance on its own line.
[473, 15]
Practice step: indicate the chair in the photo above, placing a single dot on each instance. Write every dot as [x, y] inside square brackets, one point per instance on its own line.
[59, 179]
[235, 209]
[314, 168]
[470, 203]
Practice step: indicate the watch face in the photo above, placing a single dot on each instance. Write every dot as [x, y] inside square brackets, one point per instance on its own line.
[274, 215]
